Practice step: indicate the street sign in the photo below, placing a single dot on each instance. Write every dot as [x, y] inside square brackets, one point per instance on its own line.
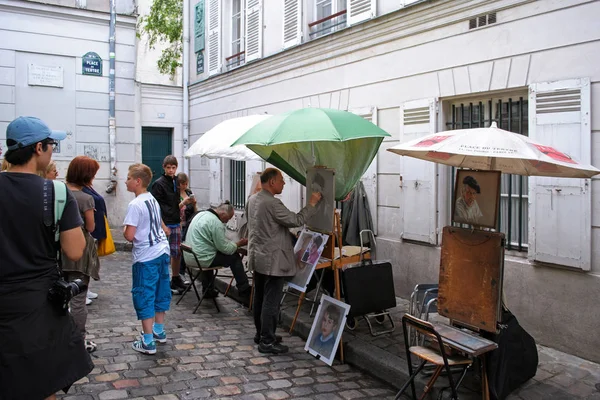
[200, 63]
[91, 64]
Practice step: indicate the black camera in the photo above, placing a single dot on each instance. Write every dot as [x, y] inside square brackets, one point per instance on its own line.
[62, 292]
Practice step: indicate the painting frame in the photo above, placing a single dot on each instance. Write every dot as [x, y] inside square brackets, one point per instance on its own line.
[476, 198]
[321, 179]
[325, 350]
[307, 257]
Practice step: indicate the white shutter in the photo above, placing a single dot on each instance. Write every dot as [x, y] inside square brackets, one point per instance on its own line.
[560, 209]
[418, 182]
[369, 178]
[214, 37]
[360, 10]
[215, 183]
[292, 23]
[254, 30]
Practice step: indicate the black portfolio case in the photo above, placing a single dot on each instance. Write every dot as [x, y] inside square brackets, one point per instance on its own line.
[369, 287]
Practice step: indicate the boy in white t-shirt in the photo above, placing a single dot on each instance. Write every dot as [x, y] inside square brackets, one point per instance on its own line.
[151, 289]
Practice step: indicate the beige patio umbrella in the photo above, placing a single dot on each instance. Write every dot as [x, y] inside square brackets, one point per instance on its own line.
[494, 149]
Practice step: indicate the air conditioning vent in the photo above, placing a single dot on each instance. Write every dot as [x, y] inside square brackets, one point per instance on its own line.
[482, 20]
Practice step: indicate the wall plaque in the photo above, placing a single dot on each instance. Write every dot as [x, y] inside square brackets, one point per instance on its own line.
[41, 75]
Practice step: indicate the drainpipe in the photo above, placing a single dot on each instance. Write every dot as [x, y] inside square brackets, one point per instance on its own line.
[186, 78]
[112, 124]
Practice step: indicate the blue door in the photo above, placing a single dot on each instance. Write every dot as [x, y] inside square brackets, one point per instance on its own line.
[156, 145]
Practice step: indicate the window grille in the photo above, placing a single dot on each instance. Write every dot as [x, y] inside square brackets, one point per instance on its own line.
[237, 184]
[512, 116]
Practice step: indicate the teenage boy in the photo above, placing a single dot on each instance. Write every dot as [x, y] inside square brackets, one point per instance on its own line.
[150, 288]
[324, 341]
[166, 192]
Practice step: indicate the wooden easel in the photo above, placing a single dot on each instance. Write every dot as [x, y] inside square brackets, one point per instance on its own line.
[334, 240]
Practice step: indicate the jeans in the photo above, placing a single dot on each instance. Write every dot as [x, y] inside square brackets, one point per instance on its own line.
[233, 261]
[268, 291]
[77, 303]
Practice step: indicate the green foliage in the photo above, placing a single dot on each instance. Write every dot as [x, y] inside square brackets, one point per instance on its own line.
[164, 24]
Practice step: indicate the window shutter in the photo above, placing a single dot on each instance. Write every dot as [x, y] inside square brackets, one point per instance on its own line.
[254, 30]
[369, 178]
[418, 182]
[215, 184]
[560, 225]
[292, 23]
[214, 37]
[360, 10]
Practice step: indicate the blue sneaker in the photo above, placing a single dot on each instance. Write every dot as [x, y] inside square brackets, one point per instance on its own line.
[139, 345]
[160, 337]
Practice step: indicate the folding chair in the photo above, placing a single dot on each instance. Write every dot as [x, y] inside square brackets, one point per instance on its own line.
[436, 355]
[199, 269]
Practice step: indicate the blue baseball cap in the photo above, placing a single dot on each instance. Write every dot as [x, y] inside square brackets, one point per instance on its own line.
[26, 131]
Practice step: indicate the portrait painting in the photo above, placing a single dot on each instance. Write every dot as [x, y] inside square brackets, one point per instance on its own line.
[327, 329]
[307, 252]
[476, 197]
[321, 180]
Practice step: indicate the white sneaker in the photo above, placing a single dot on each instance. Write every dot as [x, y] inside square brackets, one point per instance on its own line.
[88, 301]
[92, 295]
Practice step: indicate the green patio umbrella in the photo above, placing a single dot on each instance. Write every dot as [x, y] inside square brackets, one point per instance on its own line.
[297, 140]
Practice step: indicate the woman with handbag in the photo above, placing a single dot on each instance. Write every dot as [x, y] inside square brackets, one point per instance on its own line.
[81, 172]
[101, 230]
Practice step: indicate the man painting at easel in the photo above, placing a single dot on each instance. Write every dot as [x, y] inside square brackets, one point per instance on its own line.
[271, 254]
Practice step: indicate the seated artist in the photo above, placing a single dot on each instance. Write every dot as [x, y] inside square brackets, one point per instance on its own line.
[206, 237]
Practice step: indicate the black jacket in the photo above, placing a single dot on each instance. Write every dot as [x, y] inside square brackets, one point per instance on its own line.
[166, 193]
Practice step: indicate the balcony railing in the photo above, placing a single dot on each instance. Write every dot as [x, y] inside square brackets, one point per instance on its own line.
[327, 25]
[235, 60]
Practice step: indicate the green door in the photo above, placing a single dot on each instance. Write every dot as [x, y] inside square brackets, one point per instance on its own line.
[156, 145]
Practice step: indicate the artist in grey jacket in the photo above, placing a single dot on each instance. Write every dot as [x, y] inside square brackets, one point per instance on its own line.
[271, 254]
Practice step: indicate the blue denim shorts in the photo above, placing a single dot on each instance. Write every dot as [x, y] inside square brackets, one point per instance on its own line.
[151, 289]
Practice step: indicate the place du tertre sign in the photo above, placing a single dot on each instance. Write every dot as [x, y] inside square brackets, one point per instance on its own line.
[91, 64]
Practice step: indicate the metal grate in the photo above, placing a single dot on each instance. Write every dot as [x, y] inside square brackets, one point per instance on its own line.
[513, 214]
[237, 184]
[482, 20]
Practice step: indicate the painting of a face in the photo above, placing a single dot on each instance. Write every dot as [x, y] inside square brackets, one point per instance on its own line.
[469, 194]
[327, 325]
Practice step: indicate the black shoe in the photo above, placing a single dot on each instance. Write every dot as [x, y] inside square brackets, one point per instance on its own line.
[178, 283]
[246, 292]
[272, 348]
[278, 339]
[211, 294]
[176, 289]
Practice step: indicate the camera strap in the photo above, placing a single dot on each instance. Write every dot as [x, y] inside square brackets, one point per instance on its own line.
[54, 200]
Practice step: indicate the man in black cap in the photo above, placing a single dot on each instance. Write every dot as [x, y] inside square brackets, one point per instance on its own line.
[466, 209]
[41, 350]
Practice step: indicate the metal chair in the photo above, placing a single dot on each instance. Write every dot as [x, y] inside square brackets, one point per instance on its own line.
[423, 301]
[199, 269]
[436, 355]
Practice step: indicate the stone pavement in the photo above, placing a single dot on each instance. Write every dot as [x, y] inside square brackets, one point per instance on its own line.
[208, 354]
[559, 375]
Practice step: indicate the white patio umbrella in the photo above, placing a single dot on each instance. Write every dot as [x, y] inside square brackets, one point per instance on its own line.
[216, 143]
[494, 149]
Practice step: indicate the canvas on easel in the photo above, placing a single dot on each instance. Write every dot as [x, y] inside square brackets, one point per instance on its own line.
[321, 180]
[307, 252]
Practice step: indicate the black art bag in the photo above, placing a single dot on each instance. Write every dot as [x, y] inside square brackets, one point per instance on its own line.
[515, 360]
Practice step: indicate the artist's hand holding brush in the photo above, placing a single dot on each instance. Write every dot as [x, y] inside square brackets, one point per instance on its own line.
[315, 197]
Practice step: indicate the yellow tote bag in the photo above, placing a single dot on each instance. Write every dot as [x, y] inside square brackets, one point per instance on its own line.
[106, 246]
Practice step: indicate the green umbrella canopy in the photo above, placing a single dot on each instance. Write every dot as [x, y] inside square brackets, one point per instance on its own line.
[338, 139]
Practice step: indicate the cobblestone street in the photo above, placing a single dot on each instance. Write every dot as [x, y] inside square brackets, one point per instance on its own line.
[208, 355]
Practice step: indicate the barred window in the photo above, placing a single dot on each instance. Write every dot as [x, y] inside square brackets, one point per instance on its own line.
[237, 183]
[509, 114]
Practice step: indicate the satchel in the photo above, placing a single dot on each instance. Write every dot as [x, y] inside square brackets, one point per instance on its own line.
[106, 246]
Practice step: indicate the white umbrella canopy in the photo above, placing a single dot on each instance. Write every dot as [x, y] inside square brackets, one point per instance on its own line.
[216, 143]
[494, 149]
